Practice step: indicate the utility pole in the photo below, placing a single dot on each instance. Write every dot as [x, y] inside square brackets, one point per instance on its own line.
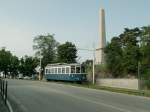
[93, 66]
[94, 63]
[40, 71]
[139, 66]
[139, 78]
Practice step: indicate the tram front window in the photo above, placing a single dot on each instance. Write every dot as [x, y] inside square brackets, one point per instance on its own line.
[83, 69]
[77, 69]
[50, 70]
[67, 70]
[46, 71]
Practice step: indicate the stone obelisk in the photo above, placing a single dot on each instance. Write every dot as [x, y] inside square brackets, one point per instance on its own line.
[100, 55]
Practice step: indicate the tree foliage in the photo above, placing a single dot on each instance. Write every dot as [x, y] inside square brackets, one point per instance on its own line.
[67, 53]
[114, 56]
[5, 61]
[28, 65]
[124, 52]
[10, 65]
[14, 66]
[45, 45]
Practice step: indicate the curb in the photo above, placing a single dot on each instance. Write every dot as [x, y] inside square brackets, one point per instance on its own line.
[9, 106]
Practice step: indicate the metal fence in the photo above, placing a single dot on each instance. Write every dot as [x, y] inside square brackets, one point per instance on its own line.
[3, 89]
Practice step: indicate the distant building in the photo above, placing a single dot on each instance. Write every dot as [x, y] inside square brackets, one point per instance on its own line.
[99, 55]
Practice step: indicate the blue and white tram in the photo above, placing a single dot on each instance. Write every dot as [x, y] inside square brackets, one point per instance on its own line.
[65, 72]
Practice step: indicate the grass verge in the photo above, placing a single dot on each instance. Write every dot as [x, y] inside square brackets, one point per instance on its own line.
[145, 93]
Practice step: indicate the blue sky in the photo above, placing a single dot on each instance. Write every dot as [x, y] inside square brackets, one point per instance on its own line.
[76, 21]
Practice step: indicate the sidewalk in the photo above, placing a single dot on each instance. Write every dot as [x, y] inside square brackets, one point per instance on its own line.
[3, 108]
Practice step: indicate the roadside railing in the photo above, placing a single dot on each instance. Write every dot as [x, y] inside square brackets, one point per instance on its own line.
[3, 89]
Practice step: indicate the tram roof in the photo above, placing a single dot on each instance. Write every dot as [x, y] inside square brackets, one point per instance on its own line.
[63, 64]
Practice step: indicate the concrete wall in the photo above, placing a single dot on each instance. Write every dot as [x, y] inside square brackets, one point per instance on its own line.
[120, 83]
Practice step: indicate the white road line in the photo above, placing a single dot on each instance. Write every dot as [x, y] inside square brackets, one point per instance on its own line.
[9, 106]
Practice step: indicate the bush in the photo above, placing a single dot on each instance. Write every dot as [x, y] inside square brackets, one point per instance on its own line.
[101, 71]
[147, 82]
[146, 77]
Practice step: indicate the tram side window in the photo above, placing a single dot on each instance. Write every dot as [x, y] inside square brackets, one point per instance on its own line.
[49, 71]
[52, 70]
[59, 70]
[77, 69]
[67, 70]
[63, 70]
[55, 70]
[72, 69]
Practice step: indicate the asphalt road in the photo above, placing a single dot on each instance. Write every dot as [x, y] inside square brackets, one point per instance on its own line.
[34, 96]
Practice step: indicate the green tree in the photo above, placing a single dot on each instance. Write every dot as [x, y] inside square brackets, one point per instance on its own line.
[14, 66]
[131, 53]
[114, 55]
[123, 54]
[145, 45]
[145, 58]
[45, 45]
[5, 61]
[67, 53]
[28, 65]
